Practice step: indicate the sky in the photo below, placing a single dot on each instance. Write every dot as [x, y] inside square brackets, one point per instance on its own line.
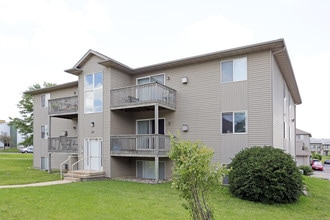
[39, 39]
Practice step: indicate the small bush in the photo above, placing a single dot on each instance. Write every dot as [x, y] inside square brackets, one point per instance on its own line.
[307, 170]
[317, 156]
[266, 175]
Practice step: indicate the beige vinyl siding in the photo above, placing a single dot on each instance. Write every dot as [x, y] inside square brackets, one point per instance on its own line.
[120, 123]
[40, 118]
[197, 103]
[233, 98]
[55, 128]
[120, 79]
[106, 122]
[260, 99]
[278, 105]
[122, 167]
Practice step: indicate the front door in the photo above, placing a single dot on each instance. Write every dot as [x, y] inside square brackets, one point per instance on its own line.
[93, 154]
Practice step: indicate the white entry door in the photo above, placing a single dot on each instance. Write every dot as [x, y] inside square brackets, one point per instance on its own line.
[93, 154]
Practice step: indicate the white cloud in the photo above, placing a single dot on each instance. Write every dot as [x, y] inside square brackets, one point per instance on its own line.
[313, 75]
[216, 33]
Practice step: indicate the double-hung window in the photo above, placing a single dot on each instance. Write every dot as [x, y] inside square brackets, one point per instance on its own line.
[44, 100]
[234, 70]
[93, 88]
[160, 78]
[234, 122]
[44, 131]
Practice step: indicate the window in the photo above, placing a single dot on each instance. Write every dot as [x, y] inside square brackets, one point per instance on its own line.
[146, 169]
[234, 70]
[233, 122]
[93, 92]
[44, 100]
[160, 78]
[44, 131]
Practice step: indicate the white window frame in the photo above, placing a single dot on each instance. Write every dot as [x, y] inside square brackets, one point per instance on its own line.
[143, 164]
[234, 70]
[233, 128]
[92, 91]
[149, 77]
[45, 132]
[44, 104]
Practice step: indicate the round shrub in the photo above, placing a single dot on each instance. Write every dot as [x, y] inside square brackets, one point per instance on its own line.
[266, 175]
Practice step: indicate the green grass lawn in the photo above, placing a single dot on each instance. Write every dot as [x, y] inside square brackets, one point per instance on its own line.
[16, 168]
[111, 199]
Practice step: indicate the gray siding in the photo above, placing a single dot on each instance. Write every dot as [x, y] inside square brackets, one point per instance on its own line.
[278, 106]
[260, 99]
[55, 128]
[198, 103]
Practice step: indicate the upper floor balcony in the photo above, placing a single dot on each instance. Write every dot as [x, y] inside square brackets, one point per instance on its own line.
[63, 106]
[141, 145]
[63, 144]
[142, 96]
[302, 149]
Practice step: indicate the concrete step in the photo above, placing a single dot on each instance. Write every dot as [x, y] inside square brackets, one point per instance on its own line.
[83, 175]
[72, 179]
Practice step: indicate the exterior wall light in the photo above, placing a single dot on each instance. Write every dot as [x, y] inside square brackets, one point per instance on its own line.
[184, 80]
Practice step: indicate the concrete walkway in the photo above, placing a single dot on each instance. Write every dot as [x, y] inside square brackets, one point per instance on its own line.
[38, 184]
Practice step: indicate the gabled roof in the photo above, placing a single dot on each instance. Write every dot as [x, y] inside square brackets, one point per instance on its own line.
[75, 70]
[277, 47]
[299, 132]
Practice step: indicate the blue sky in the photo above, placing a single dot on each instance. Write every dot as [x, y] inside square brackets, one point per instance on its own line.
[41, 38]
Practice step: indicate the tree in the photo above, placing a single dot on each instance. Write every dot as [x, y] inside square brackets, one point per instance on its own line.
[194, 176]
[5, 139]
[25, 124]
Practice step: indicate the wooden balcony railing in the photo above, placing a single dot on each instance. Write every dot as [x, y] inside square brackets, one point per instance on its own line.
[67, 105]
[63, 144]
[140, 145]
[145, 94]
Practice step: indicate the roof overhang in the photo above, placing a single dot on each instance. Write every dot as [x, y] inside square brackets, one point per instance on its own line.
[53, 88]
[76, 68]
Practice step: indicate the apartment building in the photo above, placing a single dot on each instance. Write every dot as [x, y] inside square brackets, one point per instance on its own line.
[320, 146]
[117, 119]
[303, 148]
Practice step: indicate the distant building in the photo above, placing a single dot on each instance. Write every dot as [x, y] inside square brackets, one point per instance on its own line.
[320, 146]
[303, 149]
[15, 136]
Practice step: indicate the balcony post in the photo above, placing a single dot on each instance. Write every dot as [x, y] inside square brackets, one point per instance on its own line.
[156, 144]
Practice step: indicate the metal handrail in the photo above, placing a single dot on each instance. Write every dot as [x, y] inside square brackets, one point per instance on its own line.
[61, 165]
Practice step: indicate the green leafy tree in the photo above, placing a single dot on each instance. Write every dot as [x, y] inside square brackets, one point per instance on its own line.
[25, 124]
[195, 176]
[5, 139]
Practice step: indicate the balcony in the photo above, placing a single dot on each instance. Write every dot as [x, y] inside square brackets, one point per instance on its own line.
[143, 96]
[63, 106]
[63, 144]
[142, 145]
[301, 149]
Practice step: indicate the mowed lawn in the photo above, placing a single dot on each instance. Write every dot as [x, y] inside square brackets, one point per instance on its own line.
[111, 199]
